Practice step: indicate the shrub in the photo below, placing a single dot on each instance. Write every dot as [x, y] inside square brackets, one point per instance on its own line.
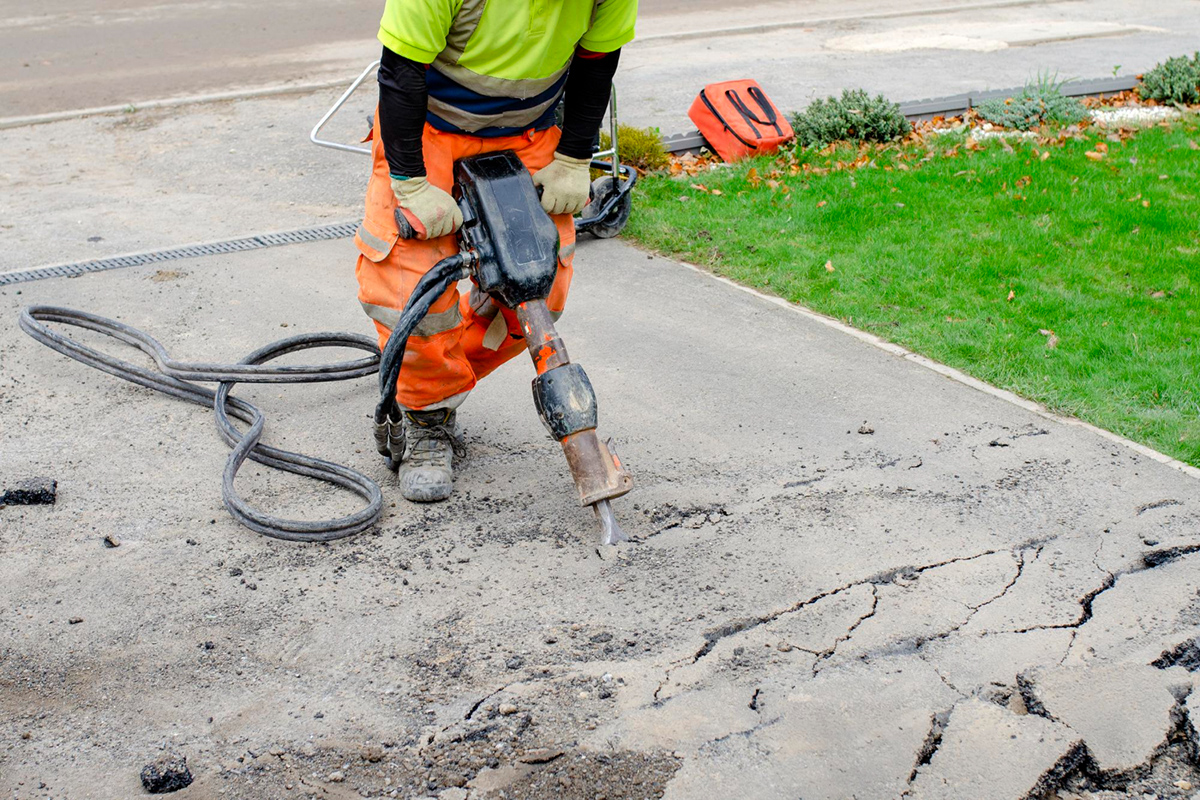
[639, 147]
[855, 117]
[1038, 103]
[1176, 80]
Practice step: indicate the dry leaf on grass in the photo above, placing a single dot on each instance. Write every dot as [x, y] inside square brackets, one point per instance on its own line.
[1094, 156]
[821, 204]
[1011, 294]
[829, 266]
[1052, 340]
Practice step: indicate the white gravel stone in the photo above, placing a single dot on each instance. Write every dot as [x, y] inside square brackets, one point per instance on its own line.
[1135, 115]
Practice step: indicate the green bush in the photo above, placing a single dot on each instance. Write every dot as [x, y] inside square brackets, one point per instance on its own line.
[854, 117]
[1176, 80]
[639, 147]
[1039, 103]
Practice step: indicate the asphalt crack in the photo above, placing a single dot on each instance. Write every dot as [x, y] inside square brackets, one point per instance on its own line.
[1085, 608]
[933, 740]
[715, 635]
[826, 654]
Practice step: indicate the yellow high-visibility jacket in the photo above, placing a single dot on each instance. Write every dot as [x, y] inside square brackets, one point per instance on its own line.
[498, 67]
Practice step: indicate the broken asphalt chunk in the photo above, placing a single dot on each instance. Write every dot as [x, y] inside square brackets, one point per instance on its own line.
[169, 773]
[989, 753]
[1124, 712]
[31, 492]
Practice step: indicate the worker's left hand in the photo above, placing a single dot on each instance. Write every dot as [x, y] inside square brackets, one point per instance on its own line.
[565, 182]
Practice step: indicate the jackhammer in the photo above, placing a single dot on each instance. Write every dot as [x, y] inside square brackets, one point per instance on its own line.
[509, 247]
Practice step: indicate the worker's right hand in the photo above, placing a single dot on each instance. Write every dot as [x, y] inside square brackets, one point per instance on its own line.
[432, 211]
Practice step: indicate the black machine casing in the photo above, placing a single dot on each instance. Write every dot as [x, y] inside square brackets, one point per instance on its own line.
[503, 222]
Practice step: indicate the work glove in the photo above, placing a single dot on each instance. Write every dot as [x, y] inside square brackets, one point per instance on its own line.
[565, 182]
[434, 211]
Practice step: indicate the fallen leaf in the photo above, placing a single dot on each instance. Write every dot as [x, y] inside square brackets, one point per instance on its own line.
[821, 204]
[829, 266]
[1145, 204]
[1101, 147]
[717, 191]
[1045, 155]
[1192, 144]
[1011, 294]
[1135, 198]
[1159, 295]
[1094, 156]
[1052, 341]
[700, 187]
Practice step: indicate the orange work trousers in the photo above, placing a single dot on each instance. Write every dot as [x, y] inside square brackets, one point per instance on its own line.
[463, 337]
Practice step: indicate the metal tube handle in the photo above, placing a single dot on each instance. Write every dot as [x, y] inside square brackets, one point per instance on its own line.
[314, 135]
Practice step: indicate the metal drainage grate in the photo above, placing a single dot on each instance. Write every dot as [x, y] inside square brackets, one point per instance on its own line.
[341, 230]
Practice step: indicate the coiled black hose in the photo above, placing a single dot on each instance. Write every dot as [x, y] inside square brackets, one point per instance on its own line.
[177, 379]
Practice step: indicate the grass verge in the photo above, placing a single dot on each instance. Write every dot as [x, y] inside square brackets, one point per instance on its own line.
[1071, 279]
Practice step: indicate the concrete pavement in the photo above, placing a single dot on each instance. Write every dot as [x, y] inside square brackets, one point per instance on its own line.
[801, 592]
[852, 576]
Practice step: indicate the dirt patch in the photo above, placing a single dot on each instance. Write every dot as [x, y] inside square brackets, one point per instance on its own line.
[621, 775]
[492, 760]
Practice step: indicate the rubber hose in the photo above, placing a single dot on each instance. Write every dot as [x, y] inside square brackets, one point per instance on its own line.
[429, 288]
[175, 378]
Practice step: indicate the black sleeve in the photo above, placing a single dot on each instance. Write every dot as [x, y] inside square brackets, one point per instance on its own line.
[403, 97]
[589, 85]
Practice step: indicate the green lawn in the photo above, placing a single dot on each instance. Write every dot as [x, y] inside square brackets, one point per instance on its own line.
[1071, 281]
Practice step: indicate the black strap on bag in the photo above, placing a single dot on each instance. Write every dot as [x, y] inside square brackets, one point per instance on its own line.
[760, 97]
[756, 94]
[713, 110]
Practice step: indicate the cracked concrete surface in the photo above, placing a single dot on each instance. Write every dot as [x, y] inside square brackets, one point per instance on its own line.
[788, 606]
[806, 611]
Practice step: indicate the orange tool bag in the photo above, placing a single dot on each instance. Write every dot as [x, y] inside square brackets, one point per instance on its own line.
[738, 120]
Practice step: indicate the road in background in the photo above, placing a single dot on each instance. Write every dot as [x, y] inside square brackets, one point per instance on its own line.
[84, 53]
[79, 54]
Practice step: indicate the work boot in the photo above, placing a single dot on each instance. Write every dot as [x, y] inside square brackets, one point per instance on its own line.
[431, 442]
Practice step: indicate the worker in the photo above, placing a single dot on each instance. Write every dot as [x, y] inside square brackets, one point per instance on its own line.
[458, 78]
